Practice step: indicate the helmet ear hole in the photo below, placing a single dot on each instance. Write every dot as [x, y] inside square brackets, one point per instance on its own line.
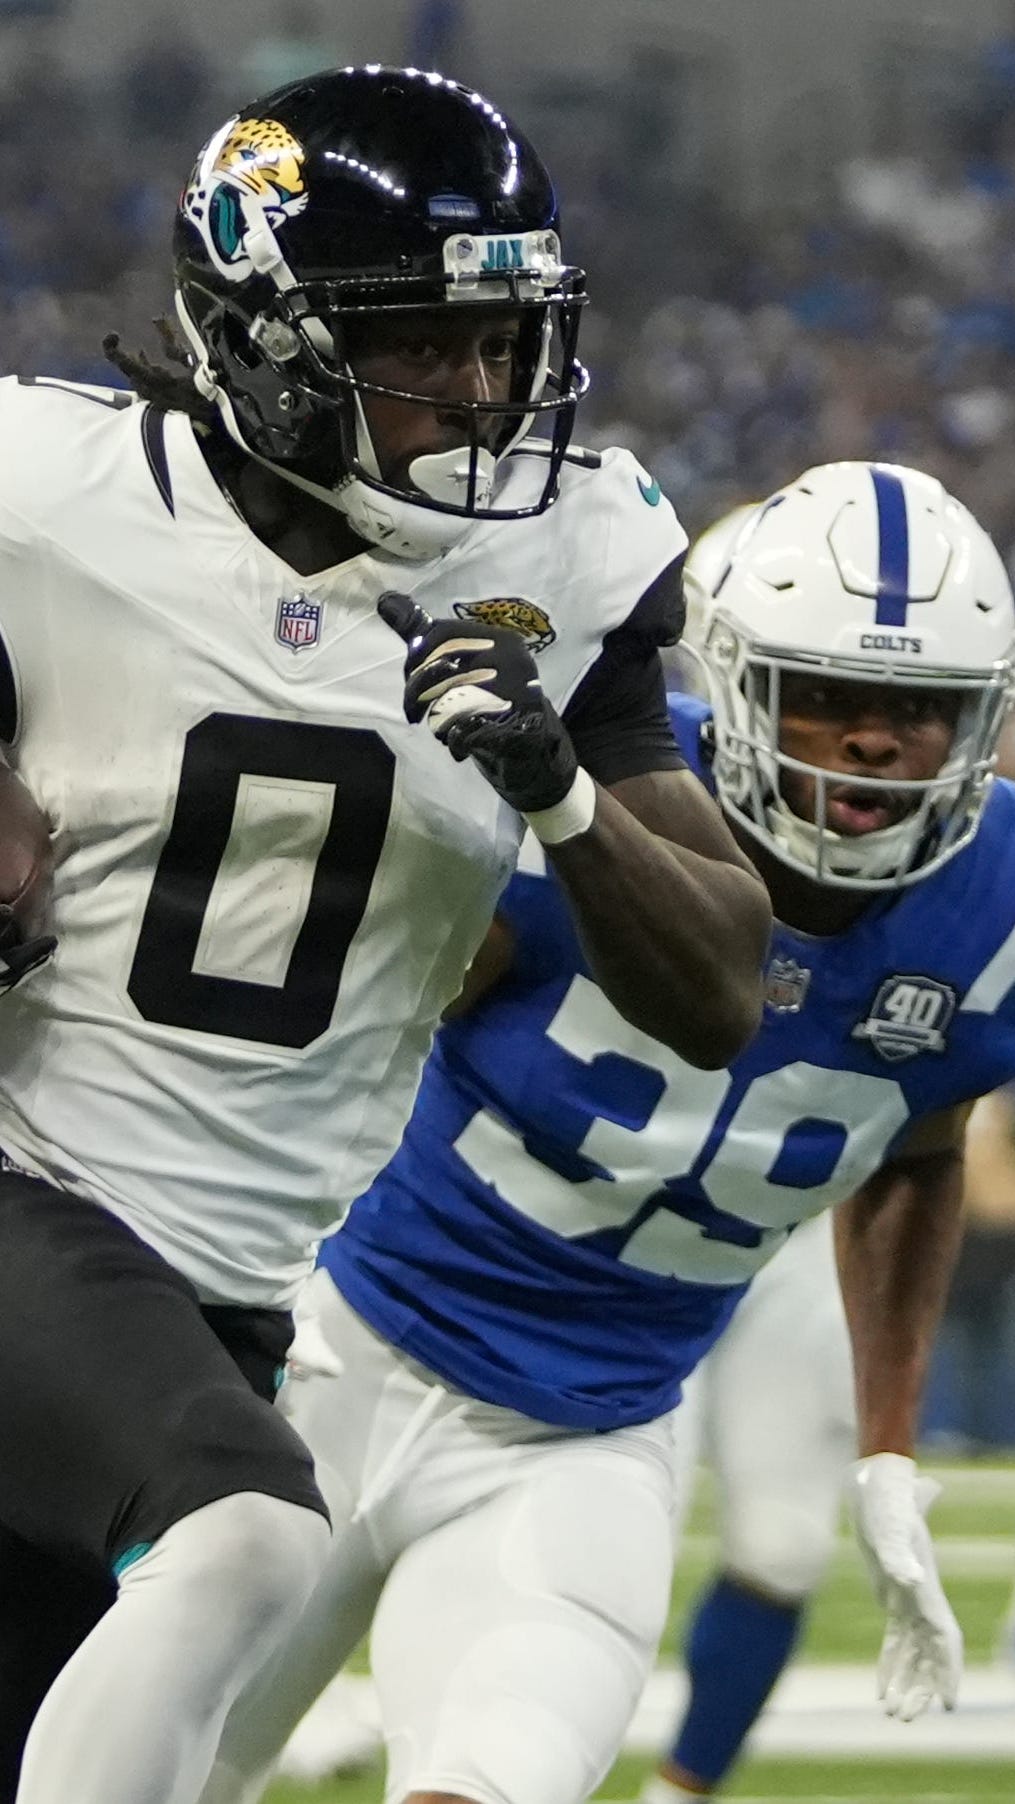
[238, 341]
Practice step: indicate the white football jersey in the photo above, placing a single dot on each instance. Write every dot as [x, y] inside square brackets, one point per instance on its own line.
[268, 884]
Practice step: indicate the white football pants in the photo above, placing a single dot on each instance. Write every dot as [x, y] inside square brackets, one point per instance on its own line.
[772, 1411]
[520, 1576]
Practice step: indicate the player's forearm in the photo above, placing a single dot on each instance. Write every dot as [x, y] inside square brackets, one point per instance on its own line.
[896, 1244]
[674, 937]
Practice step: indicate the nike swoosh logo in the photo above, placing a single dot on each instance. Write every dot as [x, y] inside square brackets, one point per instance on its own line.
[650, 492]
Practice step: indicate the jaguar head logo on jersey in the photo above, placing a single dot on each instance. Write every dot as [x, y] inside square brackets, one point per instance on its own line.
[298, 622]
[909, 1016]
[522, 617]
[255, 160]
[786, 986]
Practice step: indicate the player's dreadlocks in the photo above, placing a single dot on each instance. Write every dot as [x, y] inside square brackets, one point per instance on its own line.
[155, 383]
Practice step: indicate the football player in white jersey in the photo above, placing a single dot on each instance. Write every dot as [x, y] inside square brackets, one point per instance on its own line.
[489, 1358]
[278, 841]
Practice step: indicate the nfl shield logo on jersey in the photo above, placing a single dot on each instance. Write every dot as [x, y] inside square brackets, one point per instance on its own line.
[909, 1015]
[298, 622]
[786, 985]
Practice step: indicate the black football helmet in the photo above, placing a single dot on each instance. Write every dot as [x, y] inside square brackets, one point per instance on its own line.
[353, 192]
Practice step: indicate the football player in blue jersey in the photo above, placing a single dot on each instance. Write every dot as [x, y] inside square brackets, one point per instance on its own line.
[490, 1358]
[773, 1415]
[772, 1412]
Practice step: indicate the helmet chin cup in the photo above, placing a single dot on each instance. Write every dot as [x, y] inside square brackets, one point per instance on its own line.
[394, 526]
[823, 853]
[393, 523]
[447, 476]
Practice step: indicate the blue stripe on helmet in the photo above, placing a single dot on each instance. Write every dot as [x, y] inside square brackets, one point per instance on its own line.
[893, 549]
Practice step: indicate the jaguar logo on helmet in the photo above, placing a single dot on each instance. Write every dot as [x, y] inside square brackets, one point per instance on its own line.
[519, 616]
[251, 167]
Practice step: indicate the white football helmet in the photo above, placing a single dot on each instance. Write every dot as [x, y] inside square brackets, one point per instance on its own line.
[864, 572]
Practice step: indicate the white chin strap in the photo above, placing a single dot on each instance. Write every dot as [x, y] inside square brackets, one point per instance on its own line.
[399, 527]
[879, 854]
[444, 476]
[403, 528]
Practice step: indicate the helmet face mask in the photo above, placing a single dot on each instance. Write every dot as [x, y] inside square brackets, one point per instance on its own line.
[288, 244]
[755, 776]
[746, 641]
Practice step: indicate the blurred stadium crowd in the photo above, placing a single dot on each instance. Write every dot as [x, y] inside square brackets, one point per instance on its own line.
[729, 351]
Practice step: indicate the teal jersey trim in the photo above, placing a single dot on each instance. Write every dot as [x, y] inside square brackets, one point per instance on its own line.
[137, 1552]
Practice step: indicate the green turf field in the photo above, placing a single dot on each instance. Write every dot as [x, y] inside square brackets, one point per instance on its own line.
[974, 1524]
[822, 1782]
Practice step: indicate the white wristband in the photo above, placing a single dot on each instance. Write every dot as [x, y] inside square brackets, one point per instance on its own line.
[568, 818]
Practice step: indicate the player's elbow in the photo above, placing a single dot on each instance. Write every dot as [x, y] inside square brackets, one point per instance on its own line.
[692, 978]
[725, 1028]
[707, 1025]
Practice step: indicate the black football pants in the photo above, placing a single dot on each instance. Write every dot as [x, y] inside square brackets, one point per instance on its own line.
[124, 1406]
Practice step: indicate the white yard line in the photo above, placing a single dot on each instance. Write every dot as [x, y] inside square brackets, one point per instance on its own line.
[831, 1710]
[976, 1553]
[992, 1555]
[975, 1481]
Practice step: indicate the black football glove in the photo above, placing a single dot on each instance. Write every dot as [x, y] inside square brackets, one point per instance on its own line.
[478, 690]
[18, 956]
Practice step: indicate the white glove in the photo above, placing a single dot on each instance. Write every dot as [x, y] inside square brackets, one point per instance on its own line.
[921, 1655]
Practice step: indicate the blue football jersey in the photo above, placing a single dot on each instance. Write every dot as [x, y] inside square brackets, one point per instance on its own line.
[574, 1212]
